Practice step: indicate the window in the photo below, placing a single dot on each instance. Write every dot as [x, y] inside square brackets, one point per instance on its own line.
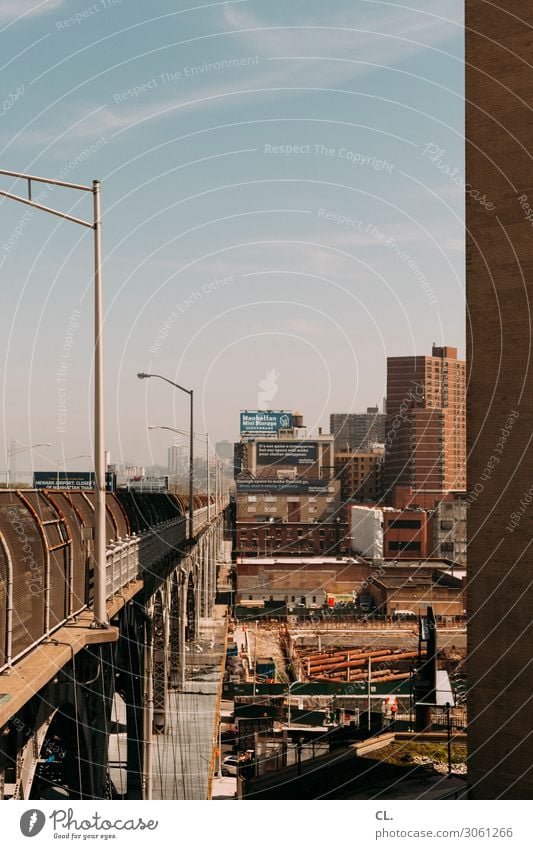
[252, 498]
[406, 523]
[252, 508]
[400, 545]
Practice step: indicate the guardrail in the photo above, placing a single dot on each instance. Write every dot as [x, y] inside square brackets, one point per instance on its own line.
[46, 566]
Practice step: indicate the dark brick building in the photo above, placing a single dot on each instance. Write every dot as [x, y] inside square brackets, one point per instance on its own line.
[499, 194]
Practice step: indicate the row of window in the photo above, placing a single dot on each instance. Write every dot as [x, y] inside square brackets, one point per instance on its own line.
[244, 535]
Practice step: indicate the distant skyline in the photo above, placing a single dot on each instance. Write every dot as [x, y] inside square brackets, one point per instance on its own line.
[282, 192]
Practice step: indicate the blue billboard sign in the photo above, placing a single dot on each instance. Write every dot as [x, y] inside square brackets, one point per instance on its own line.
[70, 480]
[264, 422]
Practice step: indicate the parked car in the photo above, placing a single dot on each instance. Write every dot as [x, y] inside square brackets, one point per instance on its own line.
[366, 603]
[230, 765]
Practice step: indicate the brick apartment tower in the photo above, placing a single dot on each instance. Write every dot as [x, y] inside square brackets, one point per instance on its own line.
[499, 172]
[425, 440]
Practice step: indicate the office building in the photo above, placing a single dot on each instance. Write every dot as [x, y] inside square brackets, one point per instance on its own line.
[384, 533]
[224, 451]
[287, 498]
[357, 431]
[178, 463]
[360, 474]
[425, 440]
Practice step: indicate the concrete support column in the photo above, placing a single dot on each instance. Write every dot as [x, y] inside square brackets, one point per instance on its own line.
[174, 630]
[182, 628]
[160, 663]
[205, 576]
[213, 569]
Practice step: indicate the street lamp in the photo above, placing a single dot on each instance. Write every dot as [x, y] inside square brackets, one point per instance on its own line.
[292, 684]
[100, 611]
[12, 451]
[66, 460]
[197, 435]
[142, 376]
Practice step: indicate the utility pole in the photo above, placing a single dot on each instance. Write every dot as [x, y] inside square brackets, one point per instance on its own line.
[99, 554]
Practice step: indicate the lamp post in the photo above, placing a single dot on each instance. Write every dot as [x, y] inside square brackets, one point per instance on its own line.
[100, 612]
[12, 451]
[291, 685]
[66, 460]
[142, 376]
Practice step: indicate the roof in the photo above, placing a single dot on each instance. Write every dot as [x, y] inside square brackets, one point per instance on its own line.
[300, 561]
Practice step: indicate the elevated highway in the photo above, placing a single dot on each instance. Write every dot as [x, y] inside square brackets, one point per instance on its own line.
[61, 678]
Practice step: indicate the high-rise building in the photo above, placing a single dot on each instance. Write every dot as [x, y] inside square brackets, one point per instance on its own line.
[178, 463]
[224, 451]
[357, 431]
[499, 291]
[425, 440]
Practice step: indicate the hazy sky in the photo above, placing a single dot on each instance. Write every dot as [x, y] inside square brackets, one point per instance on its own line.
[282, 196]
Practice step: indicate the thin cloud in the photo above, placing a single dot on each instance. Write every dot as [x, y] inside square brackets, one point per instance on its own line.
[367, 34]
[14, 10]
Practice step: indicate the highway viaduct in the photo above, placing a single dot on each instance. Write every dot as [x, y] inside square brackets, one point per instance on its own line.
[60, 677]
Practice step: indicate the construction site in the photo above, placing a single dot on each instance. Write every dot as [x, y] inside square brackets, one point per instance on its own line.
[375, 701]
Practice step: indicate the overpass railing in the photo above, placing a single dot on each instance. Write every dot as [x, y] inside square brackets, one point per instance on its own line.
[42, 590]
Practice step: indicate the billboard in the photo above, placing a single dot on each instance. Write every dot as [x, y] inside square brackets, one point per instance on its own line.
[149, 483]
[71, 480]
[307, 486]
[288, 453]
[264, 422]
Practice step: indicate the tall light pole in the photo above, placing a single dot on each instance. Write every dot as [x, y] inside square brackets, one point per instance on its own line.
[100, 612]
[142, 376]
[291, 685]
[12, 451]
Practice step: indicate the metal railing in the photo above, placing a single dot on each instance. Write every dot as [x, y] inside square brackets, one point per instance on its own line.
[127, 558]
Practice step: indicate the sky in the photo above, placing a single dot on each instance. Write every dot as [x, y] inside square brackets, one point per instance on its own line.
[282, 205]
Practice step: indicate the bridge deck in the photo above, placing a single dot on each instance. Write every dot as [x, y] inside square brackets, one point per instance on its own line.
[36, 669]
